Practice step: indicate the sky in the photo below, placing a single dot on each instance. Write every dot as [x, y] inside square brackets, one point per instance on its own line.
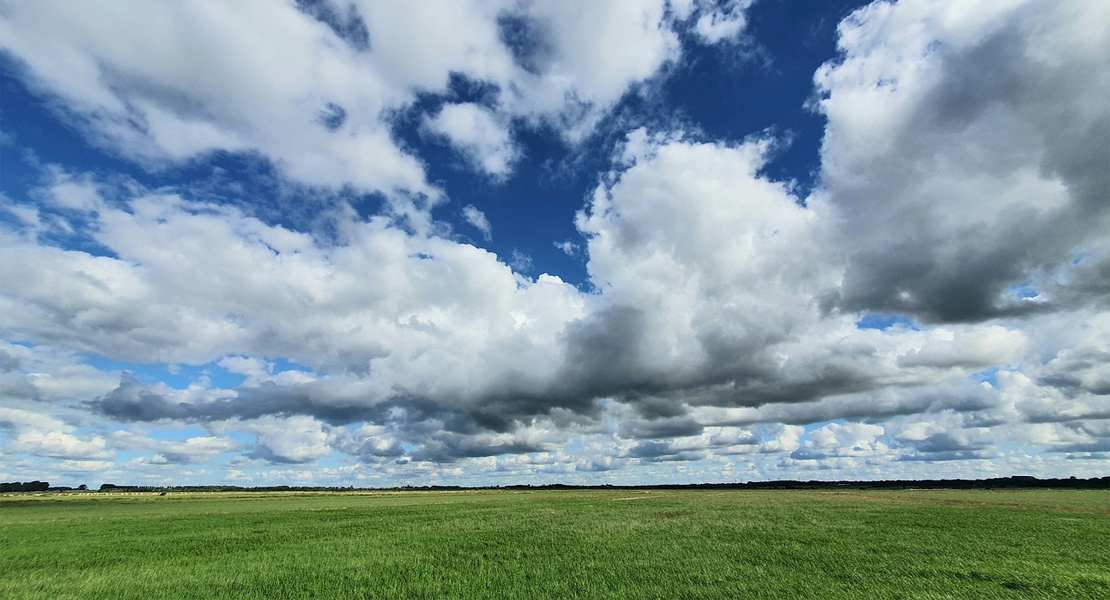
[471, 242]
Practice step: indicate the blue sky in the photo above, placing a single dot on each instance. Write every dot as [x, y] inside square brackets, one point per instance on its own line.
[499, 242]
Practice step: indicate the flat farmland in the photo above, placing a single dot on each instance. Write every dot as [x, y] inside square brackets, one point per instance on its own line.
[615, 543]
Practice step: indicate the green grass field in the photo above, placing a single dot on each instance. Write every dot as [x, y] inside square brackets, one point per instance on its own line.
[559, 544]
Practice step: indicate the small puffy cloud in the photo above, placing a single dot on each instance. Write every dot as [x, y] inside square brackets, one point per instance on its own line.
[478, 220]
[567, 247]
[578, 58]
[717, 21]
[474, 131]
[371, 443]
[787, 439]
[258, 371]
[73, 193]
[41, 435]
[849, 439]
[520, 262]
[935, 442]
[253, 368]
[194, 450]
[978, 347]
[295, 439]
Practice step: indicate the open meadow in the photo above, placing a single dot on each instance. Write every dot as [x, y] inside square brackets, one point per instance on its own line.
[615, 543]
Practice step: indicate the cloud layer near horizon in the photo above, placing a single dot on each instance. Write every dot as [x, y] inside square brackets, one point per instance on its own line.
[722, 312]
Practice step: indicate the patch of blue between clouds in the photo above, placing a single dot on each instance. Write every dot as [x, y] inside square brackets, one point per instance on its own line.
[27, 118]
[1013, 448]
[180, 377]
[815, 426]
[281, 365]
[334, 460]
[990, 376]
[240, 436]
[175, 376]
[347, 24]
[332, 116]
[534, 206]
[178, 434]
[884, 322]
[1024, 290]
[526, 39]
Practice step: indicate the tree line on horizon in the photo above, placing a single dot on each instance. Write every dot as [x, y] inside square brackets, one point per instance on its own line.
[1017, 481]
[37, 486]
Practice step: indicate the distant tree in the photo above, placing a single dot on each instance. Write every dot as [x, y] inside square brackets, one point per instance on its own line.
[25, 486]
[82, 487]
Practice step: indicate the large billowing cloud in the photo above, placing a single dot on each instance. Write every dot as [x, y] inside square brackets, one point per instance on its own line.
[967, 155]
[963, 195]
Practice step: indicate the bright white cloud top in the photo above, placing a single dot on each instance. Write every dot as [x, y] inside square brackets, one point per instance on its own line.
[335, 243]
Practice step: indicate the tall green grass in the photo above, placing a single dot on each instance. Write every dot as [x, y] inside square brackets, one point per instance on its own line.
[559, 544]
